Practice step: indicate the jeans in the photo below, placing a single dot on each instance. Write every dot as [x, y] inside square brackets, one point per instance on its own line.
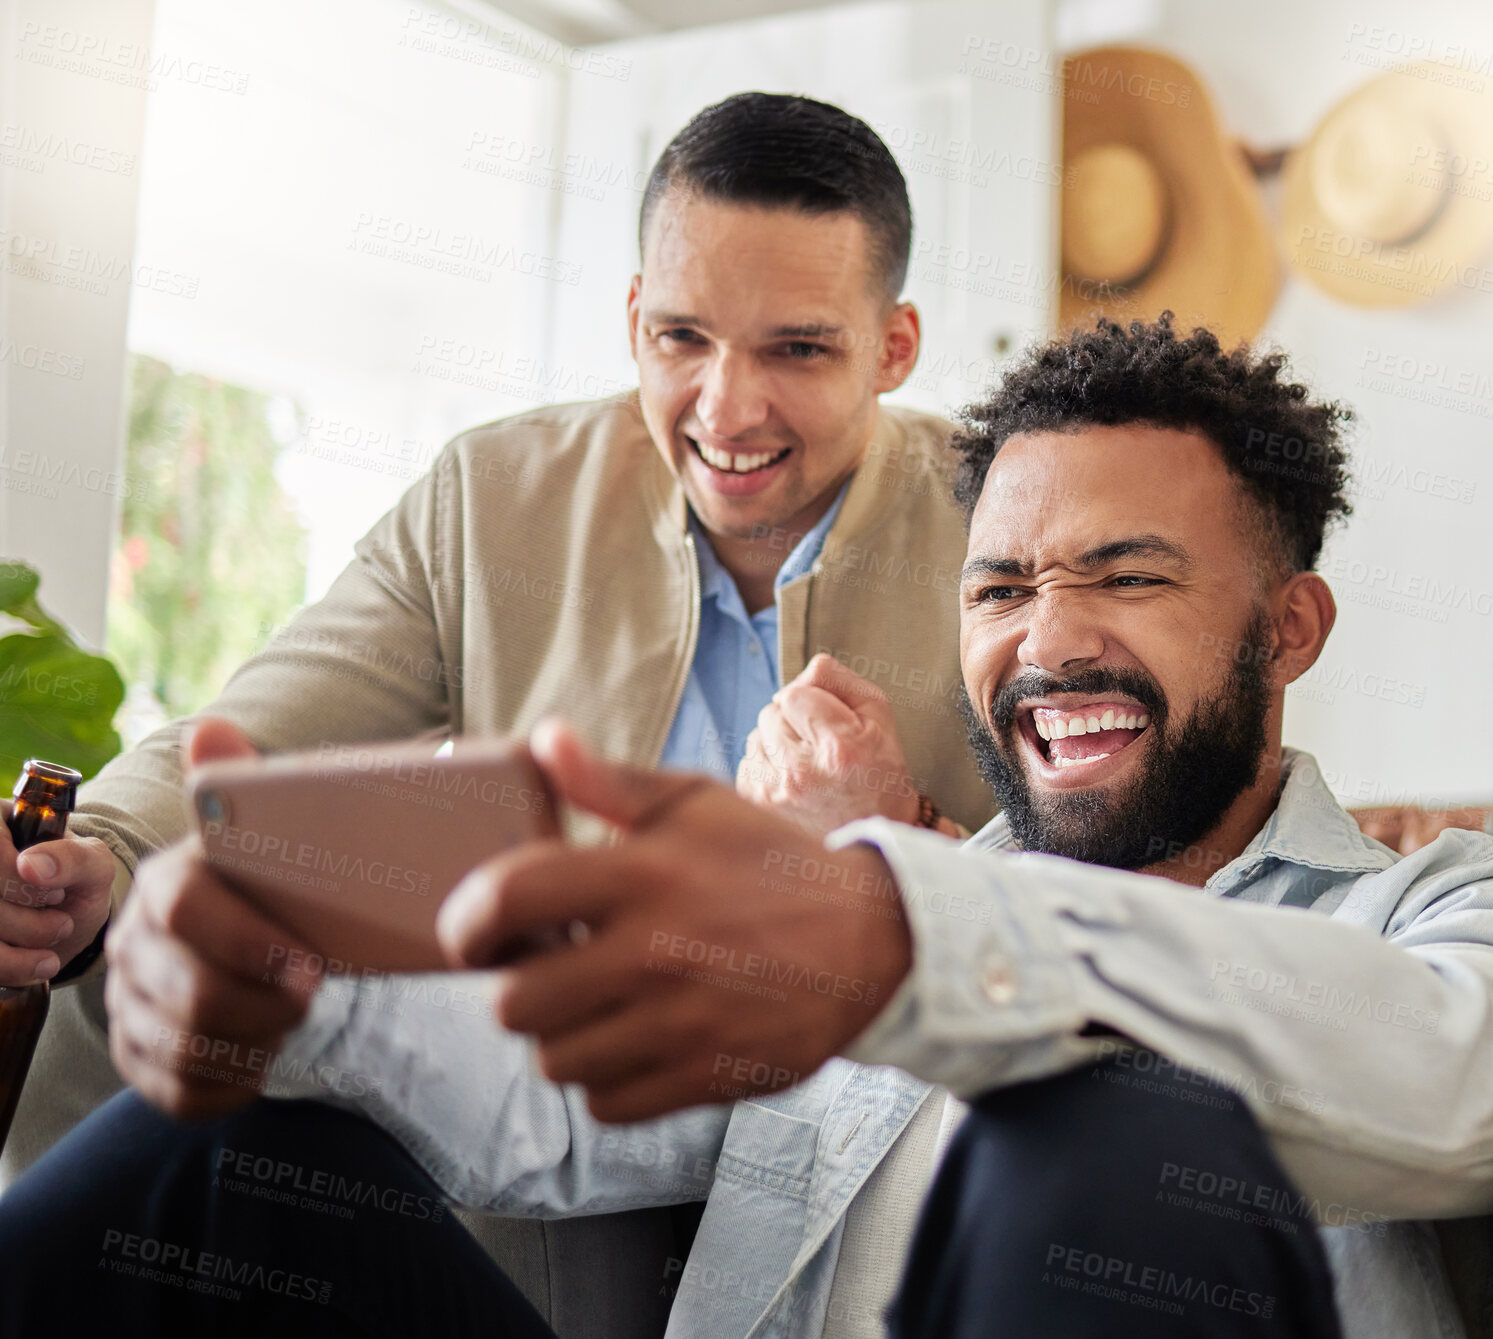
[1113, 1201]
[1091, 1204]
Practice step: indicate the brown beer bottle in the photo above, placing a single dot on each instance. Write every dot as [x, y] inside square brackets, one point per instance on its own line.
[45, 795]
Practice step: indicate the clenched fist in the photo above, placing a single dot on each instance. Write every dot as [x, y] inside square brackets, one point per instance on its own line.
[825, 752]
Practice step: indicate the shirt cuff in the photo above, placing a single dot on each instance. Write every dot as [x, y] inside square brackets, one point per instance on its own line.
[304, 1066]
[992, 995]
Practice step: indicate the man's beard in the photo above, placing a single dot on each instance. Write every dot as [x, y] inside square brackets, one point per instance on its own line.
[1193, 772]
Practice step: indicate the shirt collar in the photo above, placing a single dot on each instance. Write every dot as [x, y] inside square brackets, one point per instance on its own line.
[1308, 827]
[714, 578]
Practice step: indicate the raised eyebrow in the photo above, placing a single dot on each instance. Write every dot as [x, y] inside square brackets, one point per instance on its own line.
[672, 318]
[807, 330]
[1136, 546]
[994, 567]
[803, 330]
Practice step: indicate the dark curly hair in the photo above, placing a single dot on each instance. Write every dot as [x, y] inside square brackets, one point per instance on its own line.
[778, 150]
[1285, 449]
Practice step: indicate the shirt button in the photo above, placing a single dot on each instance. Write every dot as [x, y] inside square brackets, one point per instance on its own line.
[754, 649]
[998, 981]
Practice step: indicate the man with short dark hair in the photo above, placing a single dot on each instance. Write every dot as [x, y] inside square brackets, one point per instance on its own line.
[1221, 1110]
[655, 565]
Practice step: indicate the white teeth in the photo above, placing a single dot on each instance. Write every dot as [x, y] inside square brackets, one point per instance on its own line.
[724, 460]
[1052, 725]
[1079, 762]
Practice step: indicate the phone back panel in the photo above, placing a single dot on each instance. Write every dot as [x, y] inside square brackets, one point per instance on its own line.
[354, 847]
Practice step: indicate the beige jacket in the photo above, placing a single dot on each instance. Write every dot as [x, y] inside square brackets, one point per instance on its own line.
[543, 564]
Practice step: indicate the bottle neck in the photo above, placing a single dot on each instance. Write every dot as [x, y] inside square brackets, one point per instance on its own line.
[33, 823]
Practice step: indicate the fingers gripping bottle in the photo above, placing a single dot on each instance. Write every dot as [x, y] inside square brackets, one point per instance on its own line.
[44, 796]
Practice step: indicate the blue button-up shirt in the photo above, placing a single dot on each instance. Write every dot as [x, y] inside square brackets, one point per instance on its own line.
[735, 670]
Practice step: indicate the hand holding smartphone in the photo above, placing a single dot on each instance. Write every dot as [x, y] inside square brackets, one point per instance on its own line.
[355, 847]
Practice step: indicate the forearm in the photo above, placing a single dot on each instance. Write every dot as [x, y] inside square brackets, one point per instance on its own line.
[1363, 1059]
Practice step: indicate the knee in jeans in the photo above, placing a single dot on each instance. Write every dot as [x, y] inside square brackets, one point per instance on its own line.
[1130, 1104]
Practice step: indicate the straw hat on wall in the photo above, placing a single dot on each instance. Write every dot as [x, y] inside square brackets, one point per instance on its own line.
[1390, 201]
[1159, 209]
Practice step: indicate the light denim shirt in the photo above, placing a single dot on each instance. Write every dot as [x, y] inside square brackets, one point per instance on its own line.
[735, 670]
[1343, 993]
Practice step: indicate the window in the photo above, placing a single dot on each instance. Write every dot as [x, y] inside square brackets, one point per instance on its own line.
[349, 212]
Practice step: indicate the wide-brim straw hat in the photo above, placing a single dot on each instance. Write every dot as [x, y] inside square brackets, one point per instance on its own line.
[1160, 209]
[1390, 202]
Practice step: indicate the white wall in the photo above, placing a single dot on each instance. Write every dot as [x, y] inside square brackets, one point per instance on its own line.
[72, 102]
[1276, 67]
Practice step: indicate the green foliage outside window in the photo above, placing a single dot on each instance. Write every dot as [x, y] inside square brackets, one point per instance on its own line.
[212, 554]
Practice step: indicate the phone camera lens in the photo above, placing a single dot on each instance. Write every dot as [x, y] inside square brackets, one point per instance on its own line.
[210, 805]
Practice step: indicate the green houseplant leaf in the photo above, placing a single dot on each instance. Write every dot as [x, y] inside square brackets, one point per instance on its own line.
[18, 585]
[57, 701]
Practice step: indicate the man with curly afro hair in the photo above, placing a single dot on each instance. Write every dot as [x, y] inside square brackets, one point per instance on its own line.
[1244, 474]
[1145, 512]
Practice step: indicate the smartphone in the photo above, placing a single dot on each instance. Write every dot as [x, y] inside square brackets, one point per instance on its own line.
[354, 847]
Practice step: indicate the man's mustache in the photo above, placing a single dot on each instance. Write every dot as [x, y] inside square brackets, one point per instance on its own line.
[1134, 684]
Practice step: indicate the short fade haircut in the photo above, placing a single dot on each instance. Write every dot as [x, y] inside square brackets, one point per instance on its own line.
[1284, 449]
[780, 151]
